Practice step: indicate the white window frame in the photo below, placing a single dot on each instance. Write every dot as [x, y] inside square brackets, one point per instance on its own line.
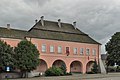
[87, 51]
[75, 50]
[59, 49]
[94, 52]
[51, 48]
[81, 51]
[43, 48]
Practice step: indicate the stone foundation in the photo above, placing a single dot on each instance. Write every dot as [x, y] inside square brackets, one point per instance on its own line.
[10, 75]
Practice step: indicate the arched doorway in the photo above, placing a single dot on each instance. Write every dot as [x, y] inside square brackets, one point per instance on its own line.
[89, 66]
[76, 66]
[58, 63]
[42, 67]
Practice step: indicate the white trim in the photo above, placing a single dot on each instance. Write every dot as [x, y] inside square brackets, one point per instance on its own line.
[75, 50]
[52, 49]
[81, 51]
[94, 52]
[88, 51]
[59, 47]
[42, 48]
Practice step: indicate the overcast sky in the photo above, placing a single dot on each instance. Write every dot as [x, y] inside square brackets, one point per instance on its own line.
[98, 18]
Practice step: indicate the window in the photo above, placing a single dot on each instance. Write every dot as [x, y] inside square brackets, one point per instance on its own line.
[94, 52]
[51, 48]
[67, 51]
[75, 50]
[59, 49]
[43, 48]
[87, 52]
[81, 51]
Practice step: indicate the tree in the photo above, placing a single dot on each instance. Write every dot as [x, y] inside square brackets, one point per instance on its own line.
[113, 50]
[95, 67]
[6, 55]
[27, 57]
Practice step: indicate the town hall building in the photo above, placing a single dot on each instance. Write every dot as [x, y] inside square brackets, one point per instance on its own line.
[57, 43]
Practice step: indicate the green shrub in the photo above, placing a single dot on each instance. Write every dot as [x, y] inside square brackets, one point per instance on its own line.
[118, 69]
[54, 71]
[63, 68]
[68, 73]
[111, 69]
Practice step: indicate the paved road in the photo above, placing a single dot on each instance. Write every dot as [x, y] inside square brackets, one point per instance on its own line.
[108, 78]
[112, 76]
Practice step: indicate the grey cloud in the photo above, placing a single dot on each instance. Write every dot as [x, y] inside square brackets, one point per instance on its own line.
[98, 18]
[37, 2]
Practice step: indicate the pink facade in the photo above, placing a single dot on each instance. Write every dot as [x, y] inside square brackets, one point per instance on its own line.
[74, 62]
[79, 61]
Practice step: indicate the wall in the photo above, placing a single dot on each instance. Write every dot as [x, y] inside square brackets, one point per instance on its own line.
[50, 58]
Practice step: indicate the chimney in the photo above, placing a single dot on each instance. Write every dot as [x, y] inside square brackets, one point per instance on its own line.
[8, 26]
[59, 23]
[36, 21]
[42, 20]
[74, 24]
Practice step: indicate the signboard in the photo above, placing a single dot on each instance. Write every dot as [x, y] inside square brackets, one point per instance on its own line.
[7, 68]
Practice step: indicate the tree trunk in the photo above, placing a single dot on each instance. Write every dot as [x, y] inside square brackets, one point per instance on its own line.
[22, 74]
[26, 75]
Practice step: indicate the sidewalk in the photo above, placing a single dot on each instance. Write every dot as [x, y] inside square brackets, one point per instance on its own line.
[75, 77]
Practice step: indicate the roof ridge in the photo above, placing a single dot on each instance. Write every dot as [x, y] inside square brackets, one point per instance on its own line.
[14, 29]
[61, 31]
[57, 22]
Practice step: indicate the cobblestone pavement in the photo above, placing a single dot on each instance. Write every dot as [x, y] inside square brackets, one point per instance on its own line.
[112, 76]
